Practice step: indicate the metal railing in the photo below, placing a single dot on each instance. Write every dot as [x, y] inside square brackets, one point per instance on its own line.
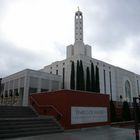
[46, 106]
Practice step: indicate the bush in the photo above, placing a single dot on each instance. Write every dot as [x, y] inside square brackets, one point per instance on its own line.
[126, 112]
[112, 112]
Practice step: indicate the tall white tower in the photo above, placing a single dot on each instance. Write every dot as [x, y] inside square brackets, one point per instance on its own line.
[78, 48]
[78, 26]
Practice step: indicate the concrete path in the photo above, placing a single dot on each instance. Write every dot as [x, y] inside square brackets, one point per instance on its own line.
[98, 133]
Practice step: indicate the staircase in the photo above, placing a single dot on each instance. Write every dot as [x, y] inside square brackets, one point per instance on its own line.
[23, 121]
[16, 112]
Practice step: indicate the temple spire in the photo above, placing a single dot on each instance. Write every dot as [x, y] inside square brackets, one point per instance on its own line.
[78, 8]
[78, 26]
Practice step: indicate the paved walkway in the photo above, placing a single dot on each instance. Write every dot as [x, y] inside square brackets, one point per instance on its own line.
[98, 133]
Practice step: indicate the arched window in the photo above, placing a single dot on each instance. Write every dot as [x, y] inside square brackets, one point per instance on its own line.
[128, 90]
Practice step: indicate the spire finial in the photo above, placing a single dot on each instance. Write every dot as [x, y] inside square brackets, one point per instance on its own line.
[78, 8]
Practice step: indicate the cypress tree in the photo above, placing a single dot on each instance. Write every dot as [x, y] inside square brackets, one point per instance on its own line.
[126, 111]
[92, 78]
[97, 80]
[72, 81]
[87, 79]
[82, 80]
[112, 111]
[138, 112]
[77, 76]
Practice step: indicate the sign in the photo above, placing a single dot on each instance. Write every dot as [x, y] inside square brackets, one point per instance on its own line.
[80, 115]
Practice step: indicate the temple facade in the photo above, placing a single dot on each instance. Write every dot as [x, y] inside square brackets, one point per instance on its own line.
[78, 69]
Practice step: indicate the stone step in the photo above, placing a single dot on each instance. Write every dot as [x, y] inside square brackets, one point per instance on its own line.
[28, 128]
[30, 133]
[16, 111]
[3, 127]
[23, 121]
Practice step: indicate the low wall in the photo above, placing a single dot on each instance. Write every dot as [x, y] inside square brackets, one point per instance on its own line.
[73, 109]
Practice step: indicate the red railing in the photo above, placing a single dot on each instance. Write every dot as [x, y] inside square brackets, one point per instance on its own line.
[33, 101]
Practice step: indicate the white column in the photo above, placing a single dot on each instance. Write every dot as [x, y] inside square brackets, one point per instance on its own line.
[39, 85]
[26, 90]
[50, 84]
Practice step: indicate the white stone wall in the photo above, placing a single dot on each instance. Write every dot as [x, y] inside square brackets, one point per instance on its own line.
[30, 79]
[118, 76]
[121, 77]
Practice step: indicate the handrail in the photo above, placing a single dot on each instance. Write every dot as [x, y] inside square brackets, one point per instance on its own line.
[46, 106]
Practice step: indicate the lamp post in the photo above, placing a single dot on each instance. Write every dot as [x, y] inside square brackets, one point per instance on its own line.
[135, 101]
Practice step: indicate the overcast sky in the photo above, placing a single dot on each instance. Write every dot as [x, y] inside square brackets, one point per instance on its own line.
[35, 33]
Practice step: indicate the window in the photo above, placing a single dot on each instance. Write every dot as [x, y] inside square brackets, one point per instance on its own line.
[55, 85]
[10, 92]
[128, 90]
[56, 72]
[33, 83]
[110, 82]
[32, 90]
[16, 92]
[85, 51]
[104, 82]
[138, 86]
[6, 93]
[44, 90]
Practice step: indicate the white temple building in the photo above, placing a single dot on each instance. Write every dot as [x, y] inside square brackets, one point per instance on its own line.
[119, 83]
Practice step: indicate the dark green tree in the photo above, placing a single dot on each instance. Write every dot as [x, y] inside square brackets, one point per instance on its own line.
[92, 78]
[97, 80]
[138, 112]
[112, 111]
[82, 79]
[77, 76]
[126, 111]
[72, 80]
[87, 79]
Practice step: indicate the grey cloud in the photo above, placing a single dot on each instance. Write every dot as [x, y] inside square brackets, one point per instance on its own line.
[135, 52]
[113, 23]
[14, 59]
[107, 24]
[61, 48]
